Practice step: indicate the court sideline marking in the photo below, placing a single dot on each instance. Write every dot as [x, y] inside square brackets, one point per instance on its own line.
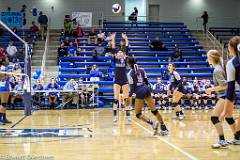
[167, 142]
[19, 121]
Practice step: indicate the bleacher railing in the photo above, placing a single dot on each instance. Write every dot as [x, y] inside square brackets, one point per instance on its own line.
[218, 22]
[43, 66]
[216, 44]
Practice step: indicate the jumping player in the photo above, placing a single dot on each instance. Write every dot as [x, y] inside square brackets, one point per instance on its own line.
[121, 81]
[138, 83]
[233, 75]
[175, 87]
[220, 86]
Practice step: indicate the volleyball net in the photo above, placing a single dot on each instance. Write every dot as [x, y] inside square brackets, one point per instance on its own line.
[19, 67]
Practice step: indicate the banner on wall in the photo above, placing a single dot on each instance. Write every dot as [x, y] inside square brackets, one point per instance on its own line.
[12, 19]
[83, 18]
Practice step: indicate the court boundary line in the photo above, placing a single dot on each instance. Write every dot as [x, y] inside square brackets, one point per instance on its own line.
[167, 142]
[19, 121]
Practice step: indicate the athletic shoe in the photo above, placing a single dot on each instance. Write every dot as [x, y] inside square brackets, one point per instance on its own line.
[181, 117]
[7, 121]
[163, 130]
[129, 119]
[234, 142]
[220, 144]
[155, 128]
[115, 120]
[2, 123]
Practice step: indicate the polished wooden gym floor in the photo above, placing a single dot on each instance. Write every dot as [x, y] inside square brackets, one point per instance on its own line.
[101, 140]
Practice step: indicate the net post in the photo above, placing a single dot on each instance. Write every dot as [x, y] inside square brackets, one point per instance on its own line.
[27, 89]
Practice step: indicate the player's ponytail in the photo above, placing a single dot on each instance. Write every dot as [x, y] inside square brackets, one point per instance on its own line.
[238, 51]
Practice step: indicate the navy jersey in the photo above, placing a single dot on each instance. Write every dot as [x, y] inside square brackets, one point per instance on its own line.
[137, 84]
[159, 88]
[120, 70]
[175, 80]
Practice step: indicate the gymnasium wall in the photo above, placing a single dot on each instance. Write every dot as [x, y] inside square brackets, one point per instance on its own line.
[180, 10]
[187, 11]
[62, 7]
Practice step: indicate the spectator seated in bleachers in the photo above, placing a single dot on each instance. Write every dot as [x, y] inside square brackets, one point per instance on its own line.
[99, 51]
[12, 52]
[52, 96]
[33, 35]
[62, 50]
[101, 36]
[68, 97]
[17, 95]
[67, 28]
[38, 97]
[71, 50]
[92, 37]
[17, 69]
[3, 52]
[95, 74]
[177, 57]
[157, 45]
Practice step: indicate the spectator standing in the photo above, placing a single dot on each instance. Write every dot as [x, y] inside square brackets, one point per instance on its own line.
[92, 37]
[67, 27]
[43, 21]
[205, 20]
[34, 31]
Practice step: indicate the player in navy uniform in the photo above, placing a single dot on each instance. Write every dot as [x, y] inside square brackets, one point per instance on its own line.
[175, 86]
[196, 93]
[220, 86]
[187, 91]
[159, 91]
[121, 81]
[233, 75]
[138, 83]
[4, 91]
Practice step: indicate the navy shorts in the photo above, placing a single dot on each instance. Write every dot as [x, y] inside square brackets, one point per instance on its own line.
[121, 83]
[143, 92]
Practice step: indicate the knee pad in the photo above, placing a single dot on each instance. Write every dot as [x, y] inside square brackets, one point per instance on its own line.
[230, 120]
[214, 120]
[155, 112]
[139, 115]
[116, 101]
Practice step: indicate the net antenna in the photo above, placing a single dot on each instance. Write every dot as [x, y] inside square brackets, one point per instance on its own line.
[27, 71]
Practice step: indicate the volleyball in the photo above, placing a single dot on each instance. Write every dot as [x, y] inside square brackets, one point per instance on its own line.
[116, 8]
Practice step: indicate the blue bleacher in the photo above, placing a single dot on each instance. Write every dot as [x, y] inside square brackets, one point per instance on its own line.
[173, 35]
